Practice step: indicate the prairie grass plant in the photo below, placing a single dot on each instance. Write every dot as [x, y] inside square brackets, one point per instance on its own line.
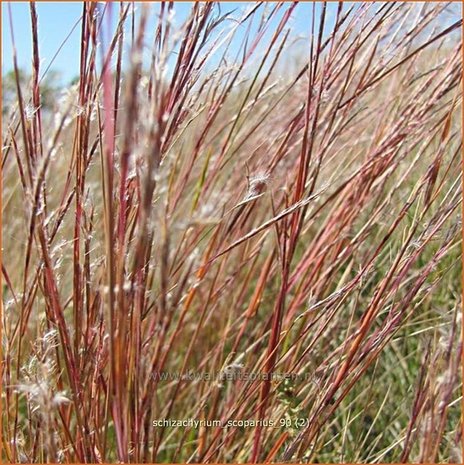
[219, 195]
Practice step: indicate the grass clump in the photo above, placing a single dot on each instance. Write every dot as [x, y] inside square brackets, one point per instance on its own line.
[213, 197]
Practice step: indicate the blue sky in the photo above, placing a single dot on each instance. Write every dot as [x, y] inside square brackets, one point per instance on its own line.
[57, 19]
